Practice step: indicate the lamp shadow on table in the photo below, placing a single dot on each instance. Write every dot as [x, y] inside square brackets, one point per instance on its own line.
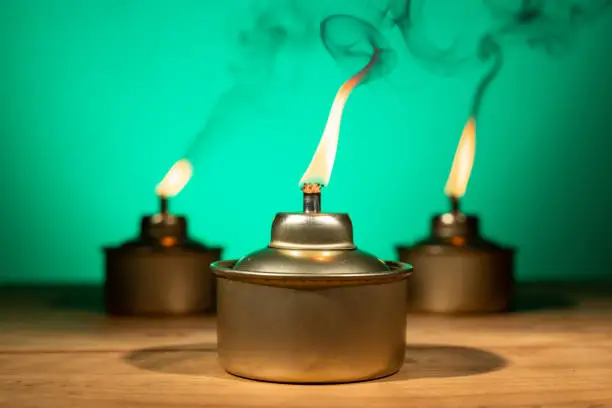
[421, 361]
[445, 361]
[530, 299]
[83, 298]
[188, 359]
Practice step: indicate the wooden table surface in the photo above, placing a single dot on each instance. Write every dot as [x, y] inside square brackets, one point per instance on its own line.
[58, 349]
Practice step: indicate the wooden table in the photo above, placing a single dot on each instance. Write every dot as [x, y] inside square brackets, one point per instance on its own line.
[57, 349]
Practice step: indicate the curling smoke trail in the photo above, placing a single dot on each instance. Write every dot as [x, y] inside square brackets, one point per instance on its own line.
[488, 49]
[352, 42]
[407, 17]
[540, 24]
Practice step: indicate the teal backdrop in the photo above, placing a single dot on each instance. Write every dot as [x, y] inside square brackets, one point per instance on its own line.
[99, 98]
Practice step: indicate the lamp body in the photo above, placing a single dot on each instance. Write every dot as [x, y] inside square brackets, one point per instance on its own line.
[311, 307]
[459, 271]
[162, 272]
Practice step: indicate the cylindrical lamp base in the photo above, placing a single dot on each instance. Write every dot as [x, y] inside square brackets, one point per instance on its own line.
[456, 280]
[166, 282]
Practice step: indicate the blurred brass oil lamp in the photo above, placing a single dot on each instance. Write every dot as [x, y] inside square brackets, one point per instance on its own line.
[163, 271]
[458, 270]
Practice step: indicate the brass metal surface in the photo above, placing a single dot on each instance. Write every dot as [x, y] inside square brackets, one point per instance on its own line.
[324, 335]
[312, 231]
[393, 271]
[164, 282]
[459, 280]
[160, 272]
[459, 271]
[311, 308]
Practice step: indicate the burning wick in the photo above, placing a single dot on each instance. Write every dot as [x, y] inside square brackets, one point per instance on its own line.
[163, 205]
[454, 205]
[312, 197]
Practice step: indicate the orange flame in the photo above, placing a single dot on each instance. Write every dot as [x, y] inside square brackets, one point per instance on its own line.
[462, 164]
[175, 180]
[320, 168]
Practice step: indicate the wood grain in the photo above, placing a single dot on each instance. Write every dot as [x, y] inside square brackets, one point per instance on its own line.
[57, 349]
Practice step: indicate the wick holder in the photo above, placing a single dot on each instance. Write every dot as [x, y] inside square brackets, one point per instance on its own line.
[311, 307]
[457, 270]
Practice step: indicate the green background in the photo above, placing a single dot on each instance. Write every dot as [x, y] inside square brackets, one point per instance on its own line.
[99, 98]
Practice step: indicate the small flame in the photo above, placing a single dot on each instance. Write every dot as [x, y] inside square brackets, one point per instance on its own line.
[462, 164]
[320, 168]
[175, 180]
